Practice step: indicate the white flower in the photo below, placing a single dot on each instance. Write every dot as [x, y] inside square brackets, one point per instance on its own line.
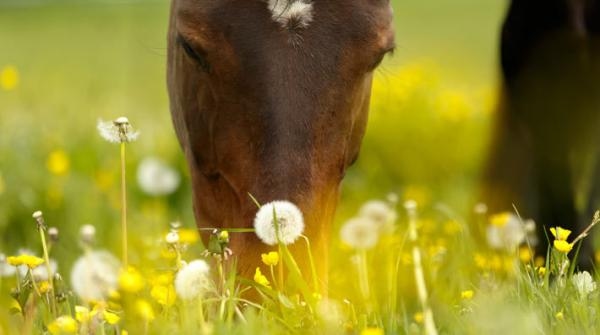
[172, 237]
[156, 178]
[87, 233]
[192, 280]
[507, 233]
[6, 270]
[381, 213]
[94, 275]
[360, 233]
[290, 222]
[584, 283]
[117, 131]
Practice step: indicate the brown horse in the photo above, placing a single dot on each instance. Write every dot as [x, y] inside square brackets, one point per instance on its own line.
[545, 157]
[271, 98]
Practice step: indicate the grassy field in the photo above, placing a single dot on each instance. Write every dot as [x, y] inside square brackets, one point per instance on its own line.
[66, 64]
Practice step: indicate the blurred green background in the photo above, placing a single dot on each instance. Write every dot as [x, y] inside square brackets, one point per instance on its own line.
[65, 64]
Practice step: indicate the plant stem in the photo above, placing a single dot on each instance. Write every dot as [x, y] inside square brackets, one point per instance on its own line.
[363, 275]
[49, 271]
[419, 276]
[123, 206]
[312, 264]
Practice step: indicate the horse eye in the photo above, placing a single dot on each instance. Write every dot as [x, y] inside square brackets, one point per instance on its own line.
[380, 58]
[198, 56]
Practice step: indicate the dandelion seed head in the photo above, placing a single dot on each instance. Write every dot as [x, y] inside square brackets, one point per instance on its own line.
[290, 223]
[94, 275]
[87, 233]
[505, 231]
[172, 237]
[381, 213]
[584, 283]
[192, 280]
[37, 215]
[6, 270]
[156, 178]
[117, 131]
[360, 233]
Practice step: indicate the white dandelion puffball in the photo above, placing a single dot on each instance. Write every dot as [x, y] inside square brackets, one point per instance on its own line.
[584, 283]
[508, 236]
[380, 212]
[360, 233]
[94, 275]
[290, 222]
[192, 280]
[6, 270]
[117, 131]
[156, 178]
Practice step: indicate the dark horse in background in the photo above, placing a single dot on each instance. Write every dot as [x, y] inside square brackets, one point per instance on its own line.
[270, 98]
[545, 156]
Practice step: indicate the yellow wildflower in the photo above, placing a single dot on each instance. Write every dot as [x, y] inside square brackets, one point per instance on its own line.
[44, 287]
[559, 316]
[261, 279]
[500, 220]
[63, 325]
[9, 78]
[525, 254]
[188, 236]
[372, 331]
[270, 259]
[82, 314]
[467, 294]
[130, 280]
[58, 163]
[419, 317]
[540, 261]
[541, 271]
[163, 294]
[110, 317]
[144, 310]
[32, 262]
[560, 233]
[563, 246]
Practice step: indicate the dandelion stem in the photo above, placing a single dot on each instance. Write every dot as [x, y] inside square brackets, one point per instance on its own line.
[363, 275]
[312, 263]
[48, 269]
[123, 206]
[418, 269]
[203, 329]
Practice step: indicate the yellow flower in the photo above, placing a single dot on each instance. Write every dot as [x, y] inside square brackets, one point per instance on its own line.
[467, 295]
[372, 331]
[144, 310]
[131, 280]
[32, 262]
[58, 163]
[541, 271]
[82, 314]
[9, 78]
[188, 236]
[559, 316]
[560, 233]
[63, 325]
[164, 294]
[563, 246]
[110, 317]
[270, 259]
[499, 220]
[261, 279]
[525, 254]
[44, 287]
[419, 317]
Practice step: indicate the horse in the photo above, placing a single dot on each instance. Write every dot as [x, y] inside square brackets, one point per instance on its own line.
[270, 98]
[544, 155]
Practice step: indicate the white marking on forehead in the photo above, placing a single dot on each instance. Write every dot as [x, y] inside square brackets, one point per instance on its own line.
[291, 13]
